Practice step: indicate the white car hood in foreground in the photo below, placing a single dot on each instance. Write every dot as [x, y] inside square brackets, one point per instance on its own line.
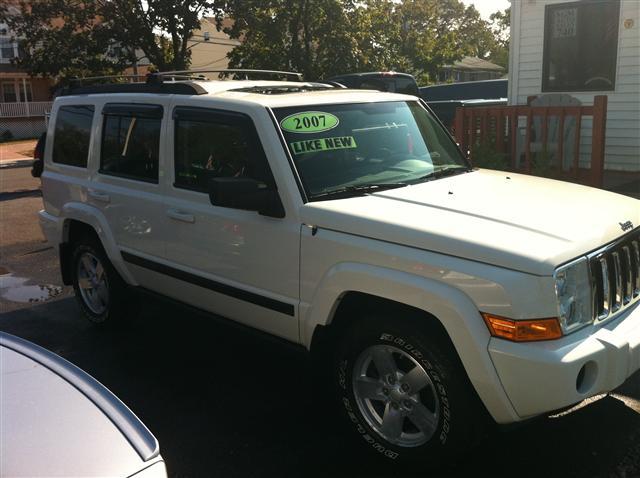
[49, 428]
[510, 220]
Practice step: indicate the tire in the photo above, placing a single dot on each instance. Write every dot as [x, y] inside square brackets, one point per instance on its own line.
[100, 291]
[403, 391]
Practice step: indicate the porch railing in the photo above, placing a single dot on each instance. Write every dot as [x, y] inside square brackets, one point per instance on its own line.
[526, 136]
[25, 109]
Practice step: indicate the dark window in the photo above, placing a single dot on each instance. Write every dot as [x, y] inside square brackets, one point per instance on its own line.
[7, 50]
[131, 141]
[581, 45]
[9, 92]
[216, 144]
[72, 135]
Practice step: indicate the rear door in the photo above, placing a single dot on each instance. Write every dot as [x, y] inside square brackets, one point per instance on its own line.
[126, 184]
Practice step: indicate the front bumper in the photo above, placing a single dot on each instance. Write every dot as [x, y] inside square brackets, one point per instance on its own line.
[540, 377]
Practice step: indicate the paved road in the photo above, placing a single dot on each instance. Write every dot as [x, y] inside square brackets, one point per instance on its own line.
[226, 402]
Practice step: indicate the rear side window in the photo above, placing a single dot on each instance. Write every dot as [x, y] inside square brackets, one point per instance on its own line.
[72, 135]
[213, 144]
[131, 141]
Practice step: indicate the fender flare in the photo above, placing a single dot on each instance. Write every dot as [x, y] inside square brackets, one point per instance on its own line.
[450, 306]
[93, 217]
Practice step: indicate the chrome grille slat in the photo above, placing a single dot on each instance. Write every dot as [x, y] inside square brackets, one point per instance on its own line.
[615, 276]
[627, 286]
[636, 257]
[616, 281]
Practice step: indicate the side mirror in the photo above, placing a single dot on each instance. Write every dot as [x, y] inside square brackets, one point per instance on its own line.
[245, 193]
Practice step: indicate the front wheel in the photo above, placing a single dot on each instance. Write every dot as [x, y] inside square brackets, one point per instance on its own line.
[403, 392]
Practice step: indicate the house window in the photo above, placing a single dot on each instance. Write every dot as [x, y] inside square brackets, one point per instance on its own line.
[580, 46]
[9, 92]
[7, 49]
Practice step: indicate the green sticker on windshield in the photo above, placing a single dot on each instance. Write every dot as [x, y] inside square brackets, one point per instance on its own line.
[323, 144]
[309, 122]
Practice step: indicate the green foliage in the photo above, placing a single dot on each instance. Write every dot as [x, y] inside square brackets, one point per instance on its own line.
[484, 155]
[65, 38]
[501, 22]
[322, 38]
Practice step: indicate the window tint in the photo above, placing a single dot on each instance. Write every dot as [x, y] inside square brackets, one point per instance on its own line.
[131, 141]
[210, 145]
[72, 135]
[581, 44]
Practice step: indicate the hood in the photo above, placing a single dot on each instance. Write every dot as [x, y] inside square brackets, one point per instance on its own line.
[510, 220]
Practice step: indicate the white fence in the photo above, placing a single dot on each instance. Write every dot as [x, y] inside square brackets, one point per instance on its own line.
[25, 109]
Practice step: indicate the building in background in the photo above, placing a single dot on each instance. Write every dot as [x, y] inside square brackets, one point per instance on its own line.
[582, 49]
[24, 100]
[470, 68]
[209, 46]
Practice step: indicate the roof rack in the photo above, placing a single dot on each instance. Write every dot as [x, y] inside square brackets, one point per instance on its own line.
[199, 74]
[167, 82]
[81, 80]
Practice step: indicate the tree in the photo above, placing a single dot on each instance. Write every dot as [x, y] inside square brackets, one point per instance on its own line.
[321, 38]
[501, 28]
[62, 38]
[314, 37]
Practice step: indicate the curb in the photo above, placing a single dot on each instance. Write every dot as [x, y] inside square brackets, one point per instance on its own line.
[16, 163]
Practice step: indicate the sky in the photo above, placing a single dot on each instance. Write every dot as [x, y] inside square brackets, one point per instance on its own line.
[487, 7]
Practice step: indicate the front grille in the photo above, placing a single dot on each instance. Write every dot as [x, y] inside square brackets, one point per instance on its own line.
[615, 275]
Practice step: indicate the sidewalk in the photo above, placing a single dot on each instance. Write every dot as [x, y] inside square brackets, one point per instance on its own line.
[17, 153]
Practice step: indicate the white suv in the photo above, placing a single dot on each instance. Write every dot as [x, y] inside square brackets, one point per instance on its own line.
[348, 222]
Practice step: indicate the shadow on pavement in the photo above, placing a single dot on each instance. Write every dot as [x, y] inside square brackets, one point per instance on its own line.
[226, 402]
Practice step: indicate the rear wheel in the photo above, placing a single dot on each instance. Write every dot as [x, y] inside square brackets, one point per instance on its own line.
[404, 392]
[100, 291]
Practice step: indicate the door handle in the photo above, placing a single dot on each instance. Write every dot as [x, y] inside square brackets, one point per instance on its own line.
[181, 216]
[98, 196]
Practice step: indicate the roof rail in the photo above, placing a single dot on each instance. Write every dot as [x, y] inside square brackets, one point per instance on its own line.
[151, 85]
[81, 80]
[198, 74]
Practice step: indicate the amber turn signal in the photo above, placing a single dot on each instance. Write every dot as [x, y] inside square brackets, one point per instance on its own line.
[523, 330]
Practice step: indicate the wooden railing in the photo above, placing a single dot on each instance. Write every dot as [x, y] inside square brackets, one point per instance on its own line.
[25, 109]
[521, 135]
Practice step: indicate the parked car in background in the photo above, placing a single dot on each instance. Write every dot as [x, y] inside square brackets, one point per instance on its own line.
[444, 99]
[56, 420]
[38, 156]
[390, 81]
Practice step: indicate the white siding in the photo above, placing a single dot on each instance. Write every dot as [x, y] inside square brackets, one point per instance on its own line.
[622, 150]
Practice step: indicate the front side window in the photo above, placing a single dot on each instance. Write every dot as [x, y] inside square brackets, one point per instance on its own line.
[581, 46]
[216, 145]
[72, 135]
[355, 148]
[131, 141]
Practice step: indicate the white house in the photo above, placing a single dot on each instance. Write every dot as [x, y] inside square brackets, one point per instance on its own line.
[582, 48]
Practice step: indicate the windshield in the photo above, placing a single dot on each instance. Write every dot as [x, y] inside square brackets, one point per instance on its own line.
[364, 147]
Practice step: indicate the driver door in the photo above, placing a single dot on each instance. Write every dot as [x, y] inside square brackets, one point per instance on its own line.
[232, 262]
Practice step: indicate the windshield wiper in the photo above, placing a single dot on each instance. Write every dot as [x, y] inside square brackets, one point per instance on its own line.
[351, 191]
[442, 173]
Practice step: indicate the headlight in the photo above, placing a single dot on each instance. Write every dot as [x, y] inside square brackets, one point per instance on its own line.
[573, 290]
